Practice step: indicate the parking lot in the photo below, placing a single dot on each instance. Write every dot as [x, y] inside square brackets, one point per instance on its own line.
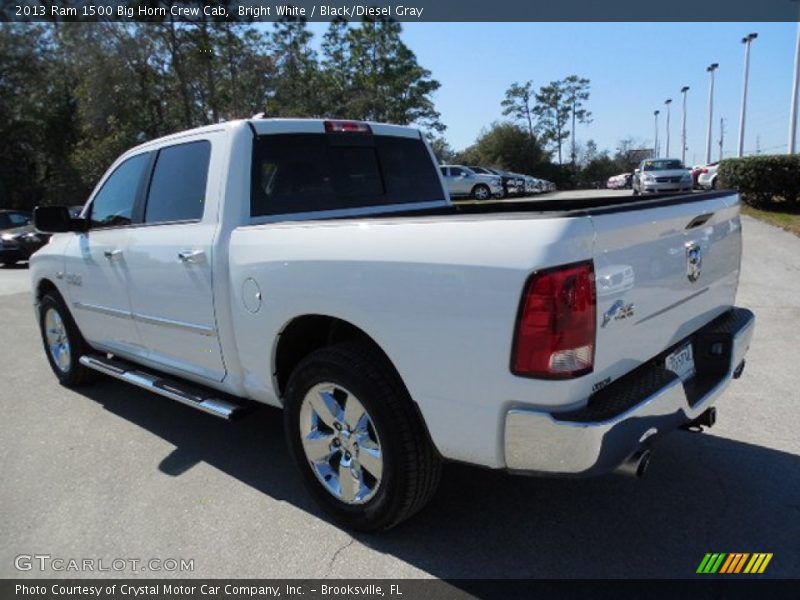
[111, 471]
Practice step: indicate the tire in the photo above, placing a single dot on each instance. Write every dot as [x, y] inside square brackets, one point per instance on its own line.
[59, 329]
[714, 184]
[403, 468]
[481, 192]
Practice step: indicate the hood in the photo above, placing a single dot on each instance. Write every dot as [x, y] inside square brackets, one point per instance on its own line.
[18, 231]
[667, 173]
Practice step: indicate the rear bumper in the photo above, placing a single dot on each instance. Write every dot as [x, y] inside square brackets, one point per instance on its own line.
[631, 413]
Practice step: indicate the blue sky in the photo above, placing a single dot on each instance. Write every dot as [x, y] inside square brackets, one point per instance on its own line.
[633, 68]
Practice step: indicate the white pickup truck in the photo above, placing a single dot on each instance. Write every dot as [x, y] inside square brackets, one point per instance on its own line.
[320, 267]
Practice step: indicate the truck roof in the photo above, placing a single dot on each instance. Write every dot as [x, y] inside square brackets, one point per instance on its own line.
[266, 126]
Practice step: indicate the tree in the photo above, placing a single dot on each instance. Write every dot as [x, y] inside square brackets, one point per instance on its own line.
[295, 93]
[576, 92]
[441, 149]
[588, 153]
[629, 154]
[73, 96]
[388, 84]
[518, 104]
[504, 145]
[552, 112]
[336, 77]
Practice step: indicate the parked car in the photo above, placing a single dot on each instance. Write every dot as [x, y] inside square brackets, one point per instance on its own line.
[488, 171]
[696, 169]
[463, 182]
[532, 185]
[393, 329]
[510, 184]
[516, 182]
[619, 182]
[707, 179]
[18, 238]
[661, 175]
[521, 181]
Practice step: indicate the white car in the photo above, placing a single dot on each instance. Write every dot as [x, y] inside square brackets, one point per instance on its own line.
[463, 182]
[707, 179]
[661, 175]
[319, 267]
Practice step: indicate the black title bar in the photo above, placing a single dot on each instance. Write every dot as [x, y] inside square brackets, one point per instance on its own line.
[400, 10]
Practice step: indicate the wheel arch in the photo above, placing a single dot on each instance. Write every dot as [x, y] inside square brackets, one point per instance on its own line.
[304, 334]
[45, 286]
[480, 185]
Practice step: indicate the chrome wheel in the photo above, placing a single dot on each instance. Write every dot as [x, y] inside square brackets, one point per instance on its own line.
[482, 193]
[57, 340]
[340, 443]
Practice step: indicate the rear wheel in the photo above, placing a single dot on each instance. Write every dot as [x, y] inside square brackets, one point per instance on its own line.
[356, 438]
[481, 192]
[63, 343]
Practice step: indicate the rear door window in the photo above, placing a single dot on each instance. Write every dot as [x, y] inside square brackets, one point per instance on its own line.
[178, 185]
[299, 173]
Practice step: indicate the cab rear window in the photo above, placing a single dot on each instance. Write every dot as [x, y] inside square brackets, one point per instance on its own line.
[300, 173]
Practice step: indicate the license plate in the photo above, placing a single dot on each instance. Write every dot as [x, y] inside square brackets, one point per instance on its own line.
[681, 362]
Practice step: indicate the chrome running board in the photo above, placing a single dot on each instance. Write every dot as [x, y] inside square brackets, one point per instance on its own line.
[190, 395]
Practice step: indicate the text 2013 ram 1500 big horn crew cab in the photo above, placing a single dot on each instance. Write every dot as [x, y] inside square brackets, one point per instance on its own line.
[319, 266]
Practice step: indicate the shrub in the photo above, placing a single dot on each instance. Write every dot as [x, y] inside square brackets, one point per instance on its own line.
[763, 181]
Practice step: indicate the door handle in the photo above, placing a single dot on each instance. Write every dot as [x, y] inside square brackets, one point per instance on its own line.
[115, 254]
[192, 257]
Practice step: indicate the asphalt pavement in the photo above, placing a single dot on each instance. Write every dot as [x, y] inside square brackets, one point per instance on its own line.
[111, 471]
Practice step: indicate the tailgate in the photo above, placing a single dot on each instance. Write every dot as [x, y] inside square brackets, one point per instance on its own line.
[663, 269]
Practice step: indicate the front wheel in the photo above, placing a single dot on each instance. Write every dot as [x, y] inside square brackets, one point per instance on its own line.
[63, 343]
[481, 192]
[356, 438]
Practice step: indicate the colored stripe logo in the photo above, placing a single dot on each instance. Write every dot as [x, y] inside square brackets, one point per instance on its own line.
[734, 563]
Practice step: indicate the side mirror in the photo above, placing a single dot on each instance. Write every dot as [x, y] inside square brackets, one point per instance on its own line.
[56, 219]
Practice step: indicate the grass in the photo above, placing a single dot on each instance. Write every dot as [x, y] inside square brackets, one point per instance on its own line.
[790, 221]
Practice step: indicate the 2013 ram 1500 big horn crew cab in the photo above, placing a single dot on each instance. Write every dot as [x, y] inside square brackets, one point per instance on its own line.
[319, 266]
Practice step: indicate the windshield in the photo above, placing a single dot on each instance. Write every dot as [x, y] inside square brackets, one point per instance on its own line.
[662, 165]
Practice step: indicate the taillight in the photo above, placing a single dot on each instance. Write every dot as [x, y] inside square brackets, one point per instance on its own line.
[347, 127]
[556, 325]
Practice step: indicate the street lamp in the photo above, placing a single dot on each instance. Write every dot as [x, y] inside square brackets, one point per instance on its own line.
[710, 68]
[655, 145]
[668, 101]
[747, 40]
[795, 91]
[684, 89]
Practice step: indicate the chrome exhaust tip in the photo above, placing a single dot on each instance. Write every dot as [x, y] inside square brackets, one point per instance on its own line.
[635, 465]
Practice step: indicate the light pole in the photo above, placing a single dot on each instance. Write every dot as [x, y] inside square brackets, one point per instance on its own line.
[684, 89]
[747, 40]
[668, 101]
[795, 84]
[655, 144]
[710, 68]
